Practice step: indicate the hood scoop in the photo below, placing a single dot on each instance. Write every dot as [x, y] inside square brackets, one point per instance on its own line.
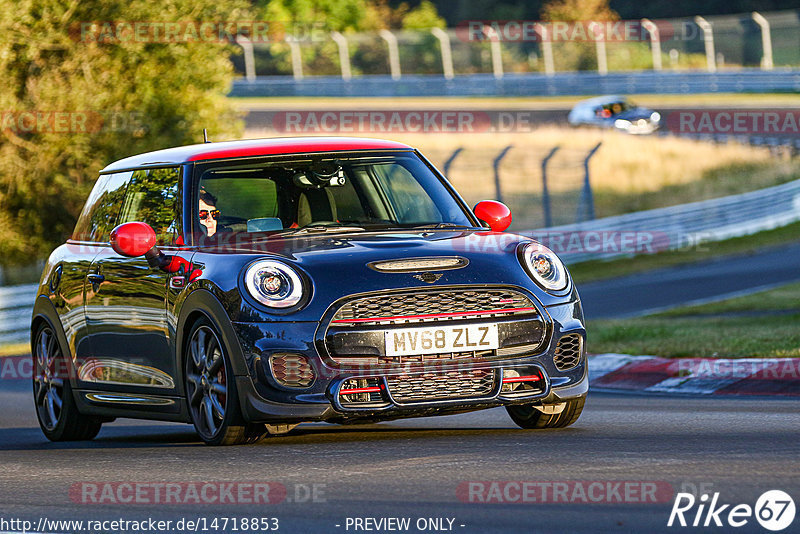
[415, 265]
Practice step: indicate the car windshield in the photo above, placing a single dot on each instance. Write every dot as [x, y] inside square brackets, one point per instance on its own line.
[310, 194]
[614, 108]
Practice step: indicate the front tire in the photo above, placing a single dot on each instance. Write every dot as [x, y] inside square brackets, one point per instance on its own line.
[529, 417]
[56, 410]
[211, 393]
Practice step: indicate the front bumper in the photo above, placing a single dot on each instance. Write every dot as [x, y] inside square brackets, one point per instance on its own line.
[263, 399]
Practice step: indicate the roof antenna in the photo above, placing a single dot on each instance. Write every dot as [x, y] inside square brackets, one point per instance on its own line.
[205, 136]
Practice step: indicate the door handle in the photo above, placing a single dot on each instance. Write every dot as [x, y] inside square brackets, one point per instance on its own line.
[96, 278]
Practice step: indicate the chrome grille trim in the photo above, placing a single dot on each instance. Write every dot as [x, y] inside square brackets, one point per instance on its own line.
[415, 265]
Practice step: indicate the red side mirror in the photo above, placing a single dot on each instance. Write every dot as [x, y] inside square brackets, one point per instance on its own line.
[496, 214]
[133, 239]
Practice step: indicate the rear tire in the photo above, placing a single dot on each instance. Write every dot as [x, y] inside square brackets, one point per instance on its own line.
[528, 417]
[211, 394]
[56, 410]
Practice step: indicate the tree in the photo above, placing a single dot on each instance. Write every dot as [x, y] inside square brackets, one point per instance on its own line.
[77, 96]
[577, 55]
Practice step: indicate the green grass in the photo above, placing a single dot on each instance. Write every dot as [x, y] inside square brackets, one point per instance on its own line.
[590, 271]
[762, 325]
[741, 337]
[785, 299]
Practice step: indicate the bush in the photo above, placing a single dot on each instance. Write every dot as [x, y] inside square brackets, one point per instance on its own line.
[119, 96]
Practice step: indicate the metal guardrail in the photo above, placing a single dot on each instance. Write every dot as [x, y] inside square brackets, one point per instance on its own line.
[16, 305]
[531, 84]
[675, 226]
[682, 226]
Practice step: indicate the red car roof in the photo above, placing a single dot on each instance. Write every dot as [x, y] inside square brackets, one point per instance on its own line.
[253, 147]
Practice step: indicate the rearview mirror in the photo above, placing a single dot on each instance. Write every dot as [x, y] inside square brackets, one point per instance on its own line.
[495, 214]
[133, 239]
[136, 239]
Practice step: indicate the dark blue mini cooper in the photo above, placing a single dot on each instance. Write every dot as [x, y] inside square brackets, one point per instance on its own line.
[249, 286]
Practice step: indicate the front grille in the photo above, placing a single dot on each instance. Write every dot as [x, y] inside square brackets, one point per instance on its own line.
[428, 387]
[431, 306]
[568, 352]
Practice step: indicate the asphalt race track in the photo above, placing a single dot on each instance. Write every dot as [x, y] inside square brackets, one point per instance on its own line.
[660, 289]
[413, 469]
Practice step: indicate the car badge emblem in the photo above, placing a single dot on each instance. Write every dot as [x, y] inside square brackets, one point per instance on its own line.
[427, 277]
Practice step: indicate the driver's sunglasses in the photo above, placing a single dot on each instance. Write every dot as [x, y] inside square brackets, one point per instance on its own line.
[204, 214]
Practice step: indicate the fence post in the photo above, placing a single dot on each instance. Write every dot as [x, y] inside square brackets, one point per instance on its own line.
[297, 58]
[496, 164]
[766, 40]
[450, 160]
[447, 55]
[587, 198]
[394, 53]
[547, 49]
[708, 39]
[249, 58]
[655, 42]
[600, 48]
[344, 54]
[497, 52]
[548, 219]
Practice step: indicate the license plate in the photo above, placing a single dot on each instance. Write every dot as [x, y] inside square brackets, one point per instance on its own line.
[441, 339]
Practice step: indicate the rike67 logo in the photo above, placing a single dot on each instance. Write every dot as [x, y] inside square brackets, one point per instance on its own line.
[774, 510]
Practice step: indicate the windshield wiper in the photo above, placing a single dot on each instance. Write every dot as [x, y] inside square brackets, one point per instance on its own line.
[440, 225]
[322, 228]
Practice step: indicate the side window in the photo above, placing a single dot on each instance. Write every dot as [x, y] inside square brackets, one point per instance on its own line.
[411, 202]
[240, 199]
[99, 215]
[152, 197]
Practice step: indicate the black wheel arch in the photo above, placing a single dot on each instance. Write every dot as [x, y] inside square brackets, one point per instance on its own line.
[45, 312]
[203, 303]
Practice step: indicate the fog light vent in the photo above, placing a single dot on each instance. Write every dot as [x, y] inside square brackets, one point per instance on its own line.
[568, 352]
[361, 392]
[291, 370]
[522, 382]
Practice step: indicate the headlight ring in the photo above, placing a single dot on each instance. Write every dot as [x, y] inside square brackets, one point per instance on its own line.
[544, 267]
[274, 284]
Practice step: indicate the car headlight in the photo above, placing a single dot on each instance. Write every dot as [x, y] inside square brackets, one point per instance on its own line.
[622, 124]
[655, 116]
[544, 267]
[273, 284]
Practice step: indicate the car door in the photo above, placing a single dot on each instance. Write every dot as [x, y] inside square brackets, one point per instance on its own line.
[91, 234]
[126, 309]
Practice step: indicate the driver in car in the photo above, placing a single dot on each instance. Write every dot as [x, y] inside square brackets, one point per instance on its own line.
[208, 212]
